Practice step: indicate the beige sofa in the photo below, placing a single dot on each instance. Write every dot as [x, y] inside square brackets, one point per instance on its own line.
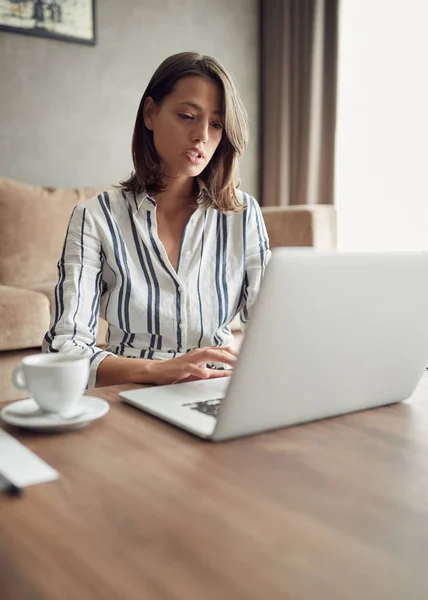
[33, 223]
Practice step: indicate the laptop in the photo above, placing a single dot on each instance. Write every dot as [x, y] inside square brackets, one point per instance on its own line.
[330, 333]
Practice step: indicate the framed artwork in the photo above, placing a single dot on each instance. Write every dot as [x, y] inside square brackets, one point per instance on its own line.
[68, 20]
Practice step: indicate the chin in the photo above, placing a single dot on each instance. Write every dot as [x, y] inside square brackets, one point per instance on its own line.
[183, 168]
[195, 172]
[190, 171]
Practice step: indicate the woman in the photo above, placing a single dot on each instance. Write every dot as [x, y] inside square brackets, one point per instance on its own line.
[171, 256]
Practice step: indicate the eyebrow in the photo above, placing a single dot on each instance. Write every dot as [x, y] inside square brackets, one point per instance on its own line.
[197, 107]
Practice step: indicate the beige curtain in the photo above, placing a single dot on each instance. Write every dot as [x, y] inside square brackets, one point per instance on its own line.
[299, 41]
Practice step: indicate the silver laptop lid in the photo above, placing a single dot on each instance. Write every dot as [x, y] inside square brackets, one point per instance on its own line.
[330, 333]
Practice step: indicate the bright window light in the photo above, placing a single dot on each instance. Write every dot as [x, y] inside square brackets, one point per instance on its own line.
[381, 182]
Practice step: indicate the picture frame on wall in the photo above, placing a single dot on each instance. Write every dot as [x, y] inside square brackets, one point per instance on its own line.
[67, 20]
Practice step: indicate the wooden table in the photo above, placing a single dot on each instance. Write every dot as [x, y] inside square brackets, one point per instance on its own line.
[330, 510]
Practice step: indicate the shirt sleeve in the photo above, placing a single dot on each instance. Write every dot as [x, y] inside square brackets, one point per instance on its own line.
[257, 257]
[74, 320]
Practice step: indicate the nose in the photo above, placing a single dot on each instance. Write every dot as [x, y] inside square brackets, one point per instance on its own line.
[201, 131]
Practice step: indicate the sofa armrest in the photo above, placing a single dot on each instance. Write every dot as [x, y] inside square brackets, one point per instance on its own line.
[24, 318]
[303, 225]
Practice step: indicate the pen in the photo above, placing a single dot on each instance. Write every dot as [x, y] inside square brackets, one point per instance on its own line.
[9, 487]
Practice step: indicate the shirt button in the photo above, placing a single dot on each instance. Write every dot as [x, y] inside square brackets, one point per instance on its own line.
[180, 290]
[181, 325]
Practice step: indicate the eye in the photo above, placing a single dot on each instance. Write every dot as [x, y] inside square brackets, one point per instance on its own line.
[185, 117]
[217, 125]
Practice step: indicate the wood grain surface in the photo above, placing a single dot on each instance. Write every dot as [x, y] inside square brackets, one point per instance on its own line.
[333, 510]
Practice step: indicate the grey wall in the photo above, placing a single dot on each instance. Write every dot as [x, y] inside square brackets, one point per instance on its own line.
[67, 111]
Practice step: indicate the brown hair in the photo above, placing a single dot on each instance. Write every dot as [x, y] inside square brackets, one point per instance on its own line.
[219, 175]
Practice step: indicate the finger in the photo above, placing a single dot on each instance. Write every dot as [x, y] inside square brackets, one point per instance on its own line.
[192, 374]
[197, 371]
[187, 379]
[216, 373]
[228, 349]
[214, 355]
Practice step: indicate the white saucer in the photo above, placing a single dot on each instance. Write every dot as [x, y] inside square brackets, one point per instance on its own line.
[19, 413]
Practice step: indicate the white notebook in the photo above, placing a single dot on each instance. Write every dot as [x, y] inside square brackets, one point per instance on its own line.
[20, 466]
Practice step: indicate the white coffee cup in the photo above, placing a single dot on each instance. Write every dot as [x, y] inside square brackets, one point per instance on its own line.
[55, 381]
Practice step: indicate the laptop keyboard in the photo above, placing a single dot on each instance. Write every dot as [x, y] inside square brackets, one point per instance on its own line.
[208, 407]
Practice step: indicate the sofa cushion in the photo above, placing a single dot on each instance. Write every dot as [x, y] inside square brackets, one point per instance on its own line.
[32, 229]
[24, 318]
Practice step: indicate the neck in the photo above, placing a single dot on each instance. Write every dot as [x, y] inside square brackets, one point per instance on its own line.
[179, 193]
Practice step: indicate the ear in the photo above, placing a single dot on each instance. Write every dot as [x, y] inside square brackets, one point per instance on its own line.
[149, 111]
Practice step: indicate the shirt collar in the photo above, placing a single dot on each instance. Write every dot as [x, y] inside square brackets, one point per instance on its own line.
[144, 199]
[203, 198]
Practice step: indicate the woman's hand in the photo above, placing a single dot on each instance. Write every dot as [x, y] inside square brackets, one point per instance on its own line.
[190, 366]
[114, 370]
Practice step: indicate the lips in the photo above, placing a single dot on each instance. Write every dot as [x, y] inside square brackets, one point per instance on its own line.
[196, 150]
[195, 155]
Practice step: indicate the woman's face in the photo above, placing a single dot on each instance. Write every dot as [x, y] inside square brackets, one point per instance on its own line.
[187, 126]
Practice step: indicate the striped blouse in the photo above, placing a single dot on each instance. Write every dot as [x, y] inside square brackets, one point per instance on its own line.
[113, 264]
